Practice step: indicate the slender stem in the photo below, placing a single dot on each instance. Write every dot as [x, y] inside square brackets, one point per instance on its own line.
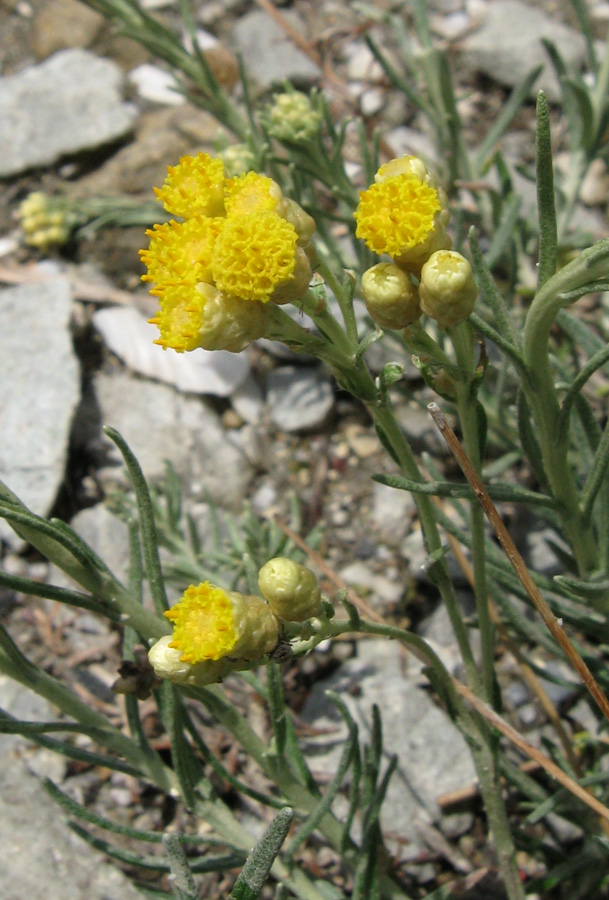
[344, 301]
[462, 338]
[387, 425]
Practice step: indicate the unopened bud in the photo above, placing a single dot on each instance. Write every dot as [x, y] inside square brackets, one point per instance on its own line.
[237, 159]
[293, 118]
[448, 291]
[292, 590]
[390, 296]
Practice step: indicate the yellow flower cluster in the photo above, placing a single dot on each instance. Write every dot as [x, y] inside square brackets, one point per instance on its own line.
[404, 214]
[216, 632]
[242, 244]
[44, 221]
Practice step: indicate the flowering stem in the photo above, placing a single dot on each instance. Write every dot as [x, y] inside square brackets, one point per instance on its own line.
[390, 432]
[463, 342]
[343, 296]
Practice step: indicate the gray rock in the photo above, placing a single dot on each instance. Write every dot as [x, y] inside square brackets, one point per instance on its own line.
[270, 57]
[393, 512]
[299, 399]
[160, 424]
[127, 333]
[67, 104]
[413, 549]
[433, 757]
[38, 849]
[508, 45]
[247, 400]
[41, 385]
[107, 535]
[384, 591]
[418, 426]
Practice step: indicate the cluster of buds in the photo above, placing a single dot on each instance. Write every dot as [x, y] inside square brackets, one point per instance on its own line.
[44, 220]
[404, 214]
[217, 632]
[241, 247]
[237, 159]
[293, 118]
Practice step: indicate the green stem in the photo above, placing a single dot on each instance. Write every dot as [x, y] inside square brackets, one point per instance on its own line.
[344, 300]
[462, 338]
[387, 426]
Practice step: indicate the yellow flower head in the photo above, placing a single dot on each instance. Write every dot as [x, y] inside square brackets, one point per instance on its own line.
[252, 192]
[181, 251]
[179, 318]
[397, 215]
[210, 623]
[254, 254]
[195, 187]
[200, 315]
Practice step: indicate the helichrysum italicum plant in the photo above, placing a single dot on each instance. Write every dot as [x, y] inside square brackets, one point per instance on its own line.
[239, 246]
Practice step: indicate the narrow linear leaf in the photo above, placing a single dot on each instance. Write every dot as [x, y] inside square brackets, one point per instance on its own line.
[71, 751]
[529, 441]
[316, 816]
[60, 595]
[183, 883]
[152, 837]
[546, 210]
[594, 363]
[503, 235]
[516, 100]
[150, 548]
[596, 476]
[259, 862]
[583, 18]
[506, 492]
[277, 707]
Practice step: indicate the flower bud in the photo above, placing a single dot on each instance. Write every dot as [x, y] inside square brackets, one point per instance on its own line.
[304, 224]
[448, 291]
[238, 159]
[390, 296]
[293, 118]
[292, 590]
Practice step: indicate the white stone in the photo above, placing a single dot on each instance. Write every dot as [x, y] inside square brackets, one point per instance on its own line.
[127, 333]
[155, 84]
[69, 103]
[40, 381]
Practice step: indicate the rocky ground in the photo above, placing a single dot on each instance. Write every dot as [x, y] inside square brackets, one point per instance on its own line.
[87, 112]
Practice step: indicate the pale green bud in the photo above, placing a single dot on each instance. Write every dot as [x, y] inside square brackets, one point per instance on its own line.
[293, 118]
[448, 291]
[390, 296]
[238, 159]
[291, 590]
